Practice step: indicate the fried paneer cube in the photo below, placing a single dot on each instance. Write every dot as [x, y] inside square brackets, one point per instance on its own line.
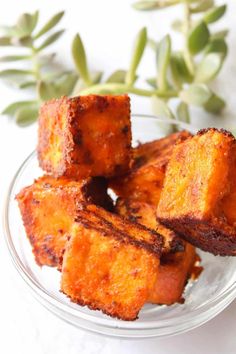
[85, 136]
[173, 274]
[108, 268]
[48, 208]
[145, 214]
[177, 259]
[199, 194]
[145, 180]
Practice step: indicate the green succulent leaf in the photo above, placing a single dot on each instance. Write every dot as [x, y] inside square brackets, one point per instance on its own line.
[214, 14]
[139, 46]
[175, 70]
[8, 73]
[96, 77]
[26, 23]
[217, 45]
[152, 81]
[26, 41]
[183, 112]
[215, 104]
[117, 76]
[47, 91]
[147, 5]
[22, 29]
[163, 59]
[80, 60]
[196, 94]
[50, 24]
[5, 41]
[220, 34]
[179, 70]
[28, 84]
[10, 58]
[208, 68]
[50, 40]
[65, 84]
[198, 38]
[12, 108]
[26, 115]
[160, 108]
[202, 6]
[34, 20]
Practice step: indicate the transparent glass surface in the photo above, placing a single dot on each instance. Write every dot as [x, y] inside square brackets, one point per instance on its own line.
[204, 298]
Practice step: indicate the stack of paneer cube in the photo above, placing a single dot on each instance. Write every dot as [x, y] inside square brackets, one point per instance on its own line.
[172, 194]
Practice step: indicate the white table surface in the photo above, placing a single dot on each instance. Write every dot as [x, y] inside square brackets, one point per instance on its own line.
[108, 28]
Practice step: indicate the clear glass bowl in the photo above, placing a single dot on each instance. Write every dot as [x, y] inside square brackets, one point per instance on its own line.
[204, 299]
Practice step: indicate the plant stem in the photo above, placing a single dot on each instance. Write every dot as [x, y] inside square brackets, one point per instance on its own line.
[36, 65]
[123, 88]
[186, 29]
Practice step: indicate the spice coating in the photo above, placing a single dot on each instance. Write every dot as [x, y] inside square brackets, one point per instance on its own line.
[199, 194]
[85, 136]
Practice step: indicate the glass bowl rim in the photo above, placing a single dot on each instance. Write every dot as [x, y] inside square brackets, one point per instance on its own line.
[228, 294]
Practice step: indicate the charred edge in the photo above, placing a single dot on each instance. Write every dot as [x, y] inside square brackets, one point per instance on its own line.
[121, 219]
[213, 241]
[222, 131]
[157, 238]
[112, 231]
[125, 129]
[177, 245]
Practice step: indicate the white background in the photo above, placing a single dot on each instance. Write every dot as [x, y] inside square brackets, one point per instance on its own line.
[108, 28]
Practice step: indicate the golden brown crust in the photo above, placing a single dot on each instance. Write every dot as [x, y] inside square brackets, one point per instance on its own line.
[73, 130]
[145, 180]
[48, 207]
[93, 271]
[199, 192]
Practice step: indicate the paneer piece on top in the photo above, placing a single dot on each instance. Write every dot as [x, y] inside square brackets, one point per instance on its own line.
[85, 136]
[145, 180]
[199, 194]
[110, 264]
[178, 257]
[48, 209]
